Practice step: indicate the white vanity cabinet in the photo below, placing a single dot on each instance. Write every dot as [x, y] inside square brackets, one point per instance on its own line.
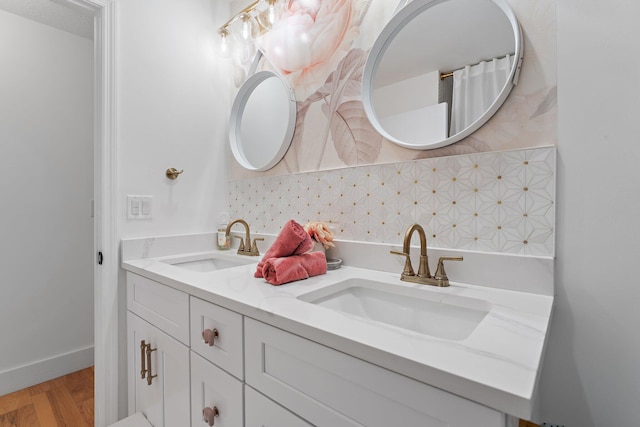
[182, 376]
[329, 388]
[251, 374]
[158, 352]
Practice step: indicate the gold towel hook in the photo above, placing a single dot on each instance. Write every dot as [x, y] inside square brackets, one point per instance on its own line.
[172, 173]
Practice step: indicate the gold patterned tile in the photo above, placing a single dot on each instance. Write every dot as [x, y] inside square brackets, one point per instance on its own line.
[494, 202]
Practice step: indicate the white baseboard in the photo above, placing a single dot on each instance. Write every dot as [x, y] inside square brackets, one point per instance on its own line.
[45, 370]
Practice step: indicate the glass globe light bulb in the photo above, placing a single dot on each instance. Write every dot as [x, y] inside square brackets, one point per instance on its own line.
[246, 26]
[272, 11]
[224, 42]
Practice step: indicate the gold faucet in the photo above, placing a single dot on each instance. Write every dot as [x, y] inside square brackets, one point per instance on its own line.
[424, 275]
[246, 247]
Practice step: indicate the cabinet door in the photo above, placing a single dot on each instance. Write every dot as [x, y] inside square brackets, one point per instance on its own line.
[329, 388]
[162, 306]
[263, 412]
[213, 388]
[164, 402]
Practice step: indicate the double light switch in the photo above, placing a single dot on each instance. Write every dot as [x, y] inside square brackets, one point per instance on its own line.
[139, 207]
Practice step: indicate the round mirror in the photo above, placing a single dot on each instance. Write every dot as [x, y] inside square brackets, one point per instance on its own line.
[440, 69]
[263, 119]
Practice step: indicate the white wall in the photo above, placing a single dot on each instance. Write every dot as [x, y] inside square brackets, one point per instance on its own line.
[591, 376]
[46, 232]
[173, 104]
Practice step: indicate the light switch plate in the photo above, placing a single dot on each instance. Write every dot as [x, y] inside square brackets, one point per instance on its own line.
[139, 207]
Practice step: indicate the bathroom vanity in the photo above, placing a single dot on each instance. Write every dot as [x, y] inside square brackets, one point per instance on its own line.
[301, 354]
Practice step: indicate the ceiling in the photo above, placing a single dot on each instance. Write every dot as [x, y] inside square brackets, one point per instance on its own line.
[54, 14]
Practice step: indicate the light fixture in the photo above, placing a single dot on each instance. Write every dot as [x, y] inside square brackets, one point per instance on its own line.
[271, 11]
[254, 20]
[246, 26]
[224, 42]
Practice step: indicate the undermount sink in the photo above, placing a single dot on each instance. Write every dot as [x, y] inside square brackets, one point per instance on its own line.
[421, 310]
[209, 262]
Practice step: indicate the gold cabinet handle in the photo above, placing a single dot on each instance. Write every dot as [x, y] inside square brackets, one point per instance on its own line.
[209, 336]
[209, 414]
[150, 377]
[143, 369]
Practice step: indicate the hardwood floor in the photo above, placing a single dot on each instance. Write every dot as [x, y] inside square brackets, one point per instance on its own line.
[61, 402]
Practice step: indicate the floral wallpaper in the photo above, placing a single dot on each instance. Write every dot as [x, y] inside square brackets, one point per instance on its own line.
[325, 72]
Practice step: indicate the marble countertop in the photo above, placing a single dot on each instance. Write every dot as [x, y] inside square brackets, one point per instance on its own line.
[498, 365]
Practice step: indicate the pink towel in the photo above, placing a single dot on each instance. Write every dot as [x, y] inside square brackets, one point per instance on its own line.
[292, 240]
[288, 269]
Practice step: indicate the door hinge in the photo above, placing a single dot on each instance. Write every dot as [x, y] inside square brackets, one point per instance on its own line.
[100, 258]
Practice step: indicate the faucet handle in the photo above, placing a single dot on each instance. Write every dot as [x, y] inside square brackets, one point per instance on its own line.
[241, 247]
[399, 253]
[440, 273]
[408, 268]
[254, 247]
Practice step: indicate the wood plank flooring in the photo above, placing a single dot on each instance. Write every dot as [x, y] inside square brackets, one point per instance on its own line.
[62, 402]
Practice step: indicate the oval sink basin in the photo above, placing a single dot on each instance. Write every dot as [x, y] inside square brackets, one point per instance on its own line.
[437, 314]
[209, 262]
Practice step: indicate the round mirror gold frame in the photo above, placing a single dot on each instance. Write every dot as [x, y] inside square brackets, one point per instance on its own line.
[400, 21]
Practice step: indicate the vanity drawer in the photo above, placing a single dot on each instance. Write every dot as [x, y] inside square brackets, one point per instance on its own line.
[226, 351]
[259, 411]
[160, 305]
[215, 389]
[327, 387]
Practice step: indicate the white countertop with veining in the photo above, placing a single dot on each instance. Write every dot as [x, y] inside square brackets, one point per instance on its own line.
[498, 365]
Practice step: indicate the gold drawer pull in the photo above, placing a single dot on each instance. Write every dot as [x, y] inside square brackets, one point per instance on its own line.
[208, 415]
[143, 369]
[209, 336]
[150, 377]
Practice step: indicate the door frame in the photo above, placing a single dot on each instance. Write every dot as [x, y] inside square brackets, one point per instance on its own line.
[106, 341]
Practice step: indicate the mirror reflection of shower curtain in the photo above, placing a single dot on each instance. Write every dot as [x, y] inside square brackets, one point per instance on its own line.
[475, 88]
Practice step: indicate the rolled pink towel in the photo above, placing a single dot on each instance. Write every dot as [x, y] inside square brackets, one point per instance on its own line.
[297, 267]
[292, 240]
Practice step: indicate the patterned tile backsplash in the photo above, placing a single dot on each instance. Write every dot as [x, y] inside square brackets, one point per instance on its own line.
[489, 202]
